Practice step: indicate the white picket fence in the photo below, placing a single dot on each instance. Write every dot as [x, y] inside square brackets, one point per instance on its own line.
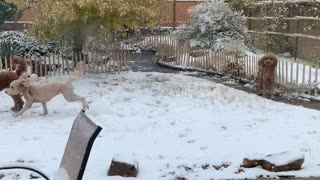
[59, 64]
[173, 53]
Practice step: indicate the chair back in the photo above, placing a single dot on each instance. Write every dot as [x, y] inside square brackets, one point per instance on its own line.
[77, 151]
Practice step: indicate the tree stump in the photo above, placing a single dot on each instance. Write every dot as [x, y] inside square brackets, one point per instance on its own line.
[120, 168]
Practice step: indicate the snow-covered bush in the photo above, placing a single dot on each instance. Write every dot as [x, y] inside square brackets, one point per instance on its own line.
[293, 90]
[235, 48]
[7, 11]
[19, 44]
[213, 25]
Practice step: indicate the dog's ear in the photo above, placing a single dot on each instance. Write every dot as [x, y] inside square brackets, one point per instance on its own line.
[25, 82]
[23, 76]
[268, 62]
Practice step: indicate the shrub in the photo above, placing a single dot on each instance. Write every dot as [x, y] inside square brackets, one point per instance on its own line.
[7, 12]
[213, 25]
[18, 44]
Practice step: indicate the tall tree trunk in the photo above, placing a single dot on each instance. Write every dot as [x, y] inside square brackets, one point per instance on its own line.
[79, 38]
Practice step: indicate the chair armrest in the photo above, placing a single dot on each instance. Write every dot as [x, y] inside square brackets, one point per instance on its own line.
[16, 166]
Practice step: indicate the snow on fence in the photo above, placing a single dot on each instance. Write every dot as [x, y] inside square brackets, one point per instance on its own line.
[60, 64]
[175, 54]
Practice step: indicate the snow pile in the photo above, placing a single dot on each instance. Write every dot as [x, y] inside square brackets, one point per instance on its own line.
[171, 124]
[284, 158]
[61, 175]
[129, 158]
[279, 159]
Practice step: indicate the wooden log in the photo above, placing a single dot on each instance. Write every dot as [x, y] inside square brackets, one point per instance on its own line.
[270, 163]
[292, 166]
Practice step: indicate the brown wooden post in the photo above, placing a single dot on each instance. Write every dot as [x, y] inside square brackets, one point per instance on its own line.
[297, 40]
[174, 13]
[1, 59]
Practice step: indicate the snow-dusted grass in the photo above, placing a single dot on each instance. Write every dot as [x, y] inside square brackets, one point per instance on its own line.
[165, 122]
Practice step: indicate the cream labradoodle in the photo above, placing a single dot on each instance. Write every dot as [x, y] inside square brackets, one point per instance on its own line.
[44, 93]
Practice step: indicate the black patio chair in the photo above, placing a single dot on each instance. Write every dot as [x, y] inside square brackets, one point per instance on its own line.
[77, 151]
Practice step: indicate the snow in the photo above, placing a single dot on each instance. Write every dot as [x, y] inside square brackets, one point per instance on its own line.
[172, 125]
[127, 158]
[279, 159]
[18, 174]
[61, 175]
[19, 169]
[284, 158]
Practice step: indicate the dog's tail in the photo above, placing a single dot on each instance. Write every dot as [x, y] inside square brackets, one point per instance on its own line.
[21, 64]
[78, 72]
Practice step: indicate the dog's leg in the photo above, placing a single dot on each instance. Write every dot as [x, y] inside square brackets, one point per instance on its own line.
[18, 103]
[264, 86]
[72, 97]
[260, 84]
[45, 109]
[271, 88]
[260, 81]
[26, 107]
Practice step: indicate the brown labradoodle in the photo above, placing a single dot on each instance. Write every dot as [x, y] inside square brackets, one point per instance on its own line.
[7, 77]
[267, 74]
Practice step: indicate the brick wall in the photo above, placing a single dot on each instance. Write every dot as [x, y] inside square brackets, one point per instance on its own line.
[27, 15]
[182, 10]
[182, 15]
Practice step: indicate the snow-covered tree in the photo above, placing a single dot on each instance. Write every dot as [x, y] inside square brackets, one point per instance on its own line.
[19, 44]
[213, 25]
[7, 11]
[81, 18]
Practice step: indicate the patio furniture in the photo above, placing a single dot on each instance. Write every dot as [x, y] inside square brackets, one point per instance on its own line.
[77, 151]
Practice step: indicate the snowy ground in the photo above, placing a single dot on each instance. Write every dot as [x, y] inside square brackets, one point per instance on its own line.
[166, 122]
